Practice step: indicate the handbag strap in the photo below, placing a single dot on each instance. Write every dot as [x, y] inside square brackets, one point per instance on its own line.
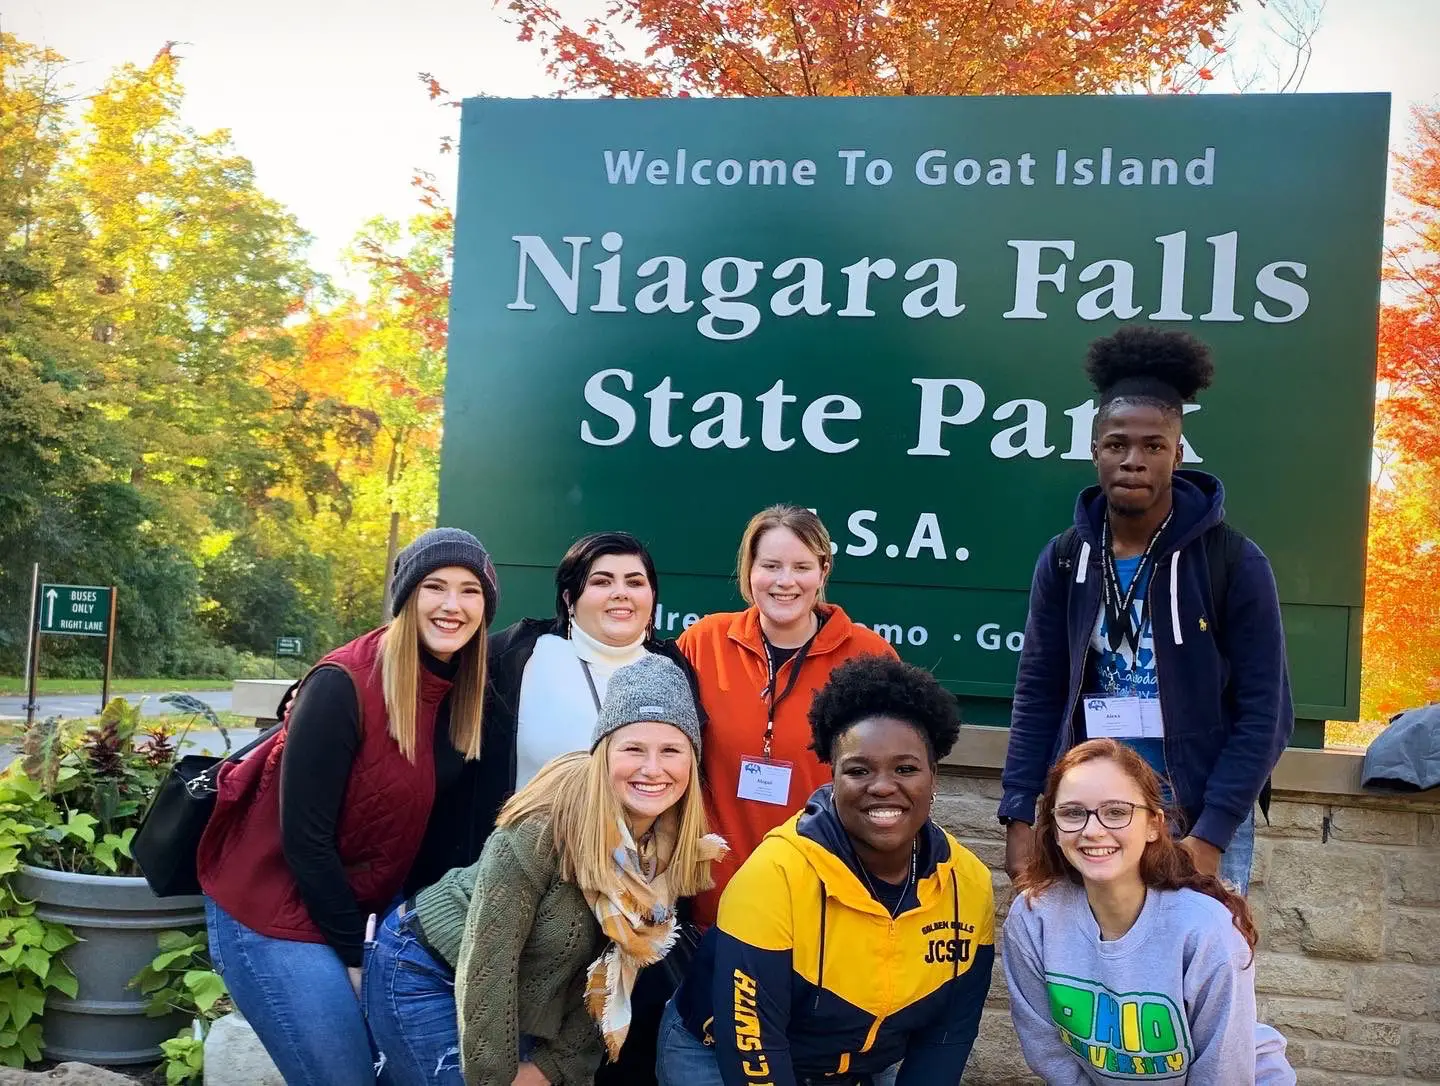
[248, 747]
[203, 783]
[294, 693]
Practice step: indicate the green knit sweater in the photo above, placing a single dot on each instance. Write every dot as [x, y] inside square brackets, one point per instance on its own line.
[522, 940]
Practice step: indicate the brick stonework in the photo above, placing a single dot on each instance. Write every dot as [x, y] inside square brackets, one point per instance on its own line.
[1346, 894]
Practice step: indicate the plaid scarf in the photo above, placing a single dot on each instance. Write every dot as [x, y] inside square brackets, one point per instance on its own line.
[638, 916]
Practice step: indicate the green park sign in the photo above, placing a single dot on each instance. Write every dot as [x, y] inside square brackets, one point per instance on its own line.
[287, 646]
[668, 314]
[78, 609]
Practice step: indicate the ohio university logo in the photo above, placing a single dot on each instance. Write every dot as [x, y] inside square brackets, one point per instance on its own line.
[1138, 1036]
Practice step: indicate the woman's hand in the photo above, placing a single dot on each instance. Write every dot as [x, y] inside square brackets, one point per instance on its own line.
[356, 975]
[530, 1075]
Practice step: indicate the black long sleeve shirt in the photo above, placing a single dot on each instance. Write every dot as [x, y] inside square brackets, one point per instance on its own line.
[320, 750]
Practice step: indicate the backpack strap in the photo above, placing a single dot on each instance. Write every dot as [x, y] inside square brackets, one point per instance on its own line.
[1067, 552]
[1223, 547]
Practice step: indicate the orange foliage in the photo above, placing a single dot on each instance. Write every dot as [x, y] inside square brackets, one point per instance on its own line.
[1410, 328]
[1402, 616]
[758, 48]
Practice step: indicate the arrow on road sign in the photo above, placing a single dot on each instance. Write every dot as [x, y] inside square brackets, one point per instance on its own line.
[50, 614]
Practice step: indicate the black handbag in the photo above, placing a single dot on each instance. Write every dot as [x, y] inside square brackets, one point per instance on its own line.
[169, 837]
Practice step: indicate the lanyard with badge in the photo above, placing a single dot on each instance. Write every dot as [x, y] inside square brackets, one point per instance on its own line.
[1126, 717]
[764, 778]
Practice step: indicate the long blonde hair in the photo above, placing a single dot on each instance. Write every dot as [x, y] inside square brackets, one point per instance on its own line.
[573, 792]
[400, 673]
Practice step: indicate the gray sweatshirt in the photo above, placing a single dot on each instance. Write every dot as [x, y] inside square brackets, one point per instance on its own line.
[1172, 1000]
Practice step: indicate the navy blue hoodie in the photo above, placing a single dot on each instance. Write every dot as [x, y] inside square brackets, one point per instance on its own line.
[1226, 702]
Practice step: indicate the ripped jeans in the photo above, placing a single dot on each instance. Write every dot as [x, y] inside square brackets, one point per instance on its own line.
[410, 1007]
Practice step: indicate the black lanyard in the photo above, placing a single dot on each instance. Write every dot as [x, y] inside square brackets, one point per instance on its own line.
[1118, 604]
[769, 691]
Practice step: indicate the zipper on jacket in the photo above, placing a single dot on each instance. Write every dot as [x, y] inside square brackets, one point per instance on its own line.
[874, 1034]
[820, 970]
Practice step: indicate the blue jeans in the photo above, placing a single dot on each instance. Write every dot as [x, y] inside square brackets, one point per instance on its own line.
[299, 999]
[1236, 861]
[685, 1060]
[410, 1007]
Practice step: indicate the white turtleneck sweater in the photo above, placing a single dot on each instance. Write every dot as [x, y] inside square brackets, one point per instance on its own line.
[557, 712]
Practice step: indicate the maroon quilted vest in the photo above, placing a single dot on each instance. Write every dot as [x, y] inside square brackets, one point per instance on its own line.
[387, 806]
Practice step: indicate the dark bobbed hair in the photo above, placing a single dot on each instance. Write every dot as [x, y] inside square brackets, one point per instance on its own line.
[574, 569]
[1164, 865]
[873, 686]
[1144, 365]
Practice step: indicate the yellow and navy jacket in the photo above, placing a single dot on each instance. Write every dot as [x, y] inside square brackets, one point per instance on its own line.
[806, 976]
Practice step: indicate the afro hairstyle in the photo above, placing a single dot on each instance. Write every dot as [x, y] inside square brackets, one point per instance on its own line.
[871, 686]
[1139, 363]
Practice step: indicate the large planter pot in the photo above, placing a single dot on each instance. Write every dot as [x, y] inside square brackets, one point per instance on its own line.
[118, 920]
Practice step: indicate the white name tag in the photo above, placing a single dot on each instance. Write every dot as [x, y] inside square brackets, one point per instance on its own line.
[765, 781]
[1152, 724]
[1114, 718]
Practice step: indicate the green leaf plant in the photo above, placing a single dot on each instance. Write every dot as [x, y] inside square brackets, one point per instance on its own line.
[180, 978]
[72, 801]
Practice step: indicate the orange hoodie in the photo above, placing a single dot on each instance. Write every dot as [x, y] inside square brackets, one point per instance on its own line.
[728, 654]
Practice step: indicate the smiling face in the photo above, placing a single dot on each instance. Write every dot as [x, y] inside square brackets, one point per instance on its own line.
[649, 769]
[884, 785]
[785, 579]
[617, 601]
[450, 608]
[1101, 854]
[1136, 451]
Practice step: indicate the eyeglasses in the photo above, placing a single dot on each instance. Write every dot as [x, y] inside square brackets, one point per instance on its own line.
[1113, 814]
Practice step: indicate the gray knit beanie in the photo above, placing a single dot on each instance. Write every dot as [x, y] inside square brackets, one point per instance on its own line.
[436, 549]
[652, 689]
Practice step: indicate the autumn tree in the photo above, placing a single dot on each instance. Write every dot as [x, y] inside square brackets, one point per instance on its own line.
[1402, 616]
[757, 48]
[369, 371]
[58, 455]
[144, 280]
[1410, 328]
[196, 271]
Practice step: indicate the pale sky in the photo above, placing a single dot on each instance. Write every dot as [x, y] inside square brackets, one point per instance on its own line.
[324, 98]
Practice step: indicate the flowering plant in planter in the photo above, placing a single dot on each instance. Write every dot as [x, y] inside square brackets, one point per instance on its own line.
[95, 788]
[70, 803]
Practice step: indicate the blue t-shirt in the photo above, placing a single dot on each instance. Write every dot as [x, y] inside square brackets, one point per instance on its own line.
[1127, 673]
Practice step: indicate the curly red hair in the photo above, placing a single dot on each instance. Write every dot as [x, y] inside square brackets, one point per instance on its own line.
[1164, 865]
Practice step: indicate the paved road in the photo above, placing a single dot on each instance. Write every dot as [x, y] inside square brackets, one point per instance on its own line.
[73, 705]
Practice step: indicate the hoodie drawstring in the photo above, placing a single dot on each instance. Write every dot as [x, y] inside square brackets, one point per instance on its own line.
[1082, 566]
[1175, 599]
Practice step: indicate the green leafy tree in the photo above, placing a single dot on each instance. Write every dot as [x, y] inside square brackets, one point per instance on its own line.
[145, 287]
